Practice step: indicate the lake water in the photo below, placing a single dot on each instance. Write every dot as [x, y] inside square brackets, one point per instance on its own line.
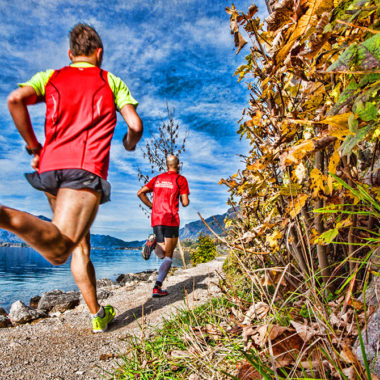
[24, 273]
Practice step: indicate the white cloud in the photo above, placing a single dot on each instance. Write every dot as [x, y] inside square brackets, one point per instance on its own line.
[143, 40]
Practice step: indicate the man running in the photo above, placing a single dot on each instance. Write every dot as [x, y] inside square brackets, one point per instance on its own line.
[167, 189]
[72, 165]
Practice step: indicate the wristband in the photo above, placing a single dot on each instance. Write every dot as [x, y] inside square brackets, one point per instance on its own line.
[35, 150]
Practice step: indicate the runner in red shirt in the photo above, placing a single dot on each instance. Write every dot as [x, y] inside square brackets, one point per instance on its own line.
[71, 168]
[168, 188]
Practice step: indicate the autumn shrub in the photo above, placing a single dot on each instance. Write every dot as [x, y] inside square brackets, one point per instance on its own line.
[308, 223]
[308, 227]
[205, 250]
[313, 117]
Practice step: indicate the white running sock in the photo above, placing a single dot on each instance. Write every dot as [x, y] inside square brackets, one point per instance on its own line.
[100, 313]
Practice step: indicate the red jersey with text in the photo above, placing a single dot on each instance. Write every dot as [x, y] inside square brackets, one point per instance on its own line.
[167, 188]
[80, 121]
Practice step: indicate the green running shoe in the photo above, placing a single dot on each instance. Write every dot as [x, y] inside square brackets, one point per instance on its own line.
[100, 325]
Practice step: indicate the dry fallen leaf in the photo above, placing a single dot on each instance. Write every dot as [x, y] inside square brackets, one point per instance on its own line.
[350, 372]
[107, 356]
[247, 372]
[304, 331]
[256, 311]
[179, 354]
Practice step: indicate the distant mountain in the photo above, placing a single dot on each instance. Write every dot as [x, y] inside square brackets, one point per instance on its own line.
[8, 237]
[97, 241]
[193, 229]
[106, 241]
[190, 231]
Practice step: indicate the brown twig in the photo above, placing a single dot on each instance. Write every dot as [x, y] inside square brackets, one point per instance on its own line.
[358, 27]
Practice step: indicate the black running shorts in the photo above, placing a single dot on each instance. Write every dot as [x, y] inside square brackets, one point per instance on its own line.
[77, 179]
[163, 232]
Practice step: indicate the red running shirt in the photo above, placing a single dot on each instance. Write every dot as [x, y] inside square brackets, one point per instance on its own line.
[167, 187]
[80, 121]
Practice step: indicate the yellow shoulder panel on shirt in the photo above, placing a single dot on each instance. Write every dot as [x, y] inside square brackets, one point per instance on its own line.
[121, 91]
[119, 88]
[39, 81]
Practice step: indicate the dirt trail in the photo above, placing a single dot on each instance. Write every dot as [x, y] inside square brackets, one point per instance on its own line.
[63, 347]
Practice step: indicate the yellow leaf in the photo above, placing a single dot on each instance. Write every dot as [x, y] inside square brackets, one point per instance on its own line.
[376, 133]
[338, 125]
[304, 24]
[273, 238]
[297, 153]
[344, 223]
[265, 81]
[335, 158]
[317, 181]
[256, 120]
[257, 165]
[337, 120]
[228, 223]
[296, 205]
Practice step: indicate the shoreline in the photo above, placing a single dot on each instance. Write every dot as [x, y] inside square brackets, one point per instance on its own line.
[63, 345]
[24, 245]
[30, 300]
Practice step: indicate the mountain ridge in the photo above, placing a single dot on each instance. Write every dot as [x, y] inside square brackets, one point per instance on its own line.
[190, 230]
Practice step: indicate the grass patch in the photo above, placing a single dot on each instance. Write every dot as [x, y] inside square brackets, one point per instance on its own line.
[192, 341]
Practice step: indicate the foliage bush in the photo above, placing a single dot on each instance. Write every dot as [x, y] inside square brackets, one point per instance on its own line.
[313, 125]
[309, 220]
[205, 251]
[308, 197]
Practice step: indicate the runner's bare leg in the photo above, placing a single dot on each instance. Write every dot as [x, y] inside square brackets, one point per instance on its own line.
[75, 210]
[170, 244]
[166, 249]
[84, 274]
[160, 250]
[82, 268]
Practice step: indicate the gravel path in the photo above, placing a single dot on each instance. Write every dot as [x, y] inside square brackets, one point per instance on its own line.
[63, 347]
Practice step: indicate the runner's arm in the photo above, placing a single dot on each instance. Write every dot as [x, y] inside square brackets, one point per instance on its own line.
[185, 200]
[18, 100]
[142, 195]
[135, 127]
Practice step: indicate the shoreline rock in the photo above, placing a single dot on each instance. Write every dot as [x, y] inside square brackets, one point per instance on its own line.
[63, 346]
[54, 302]
[21, 314]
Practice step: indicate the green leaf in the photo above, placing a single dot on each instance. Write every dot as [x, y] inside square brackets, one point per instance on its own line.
[328, 236]
[367, 111]
[345, 61]
[352, 124]
[365, 56]
[347, 97]
[351, 140]
[369, 53]
[362, 348]
[369, 78]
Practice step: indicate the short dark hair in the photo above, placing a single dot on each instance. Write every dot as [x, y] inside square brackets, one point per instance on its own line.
[84, 40]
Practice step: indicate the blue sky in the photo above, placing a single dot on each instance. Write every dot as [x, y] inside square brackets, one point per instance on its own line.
[174, 51]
